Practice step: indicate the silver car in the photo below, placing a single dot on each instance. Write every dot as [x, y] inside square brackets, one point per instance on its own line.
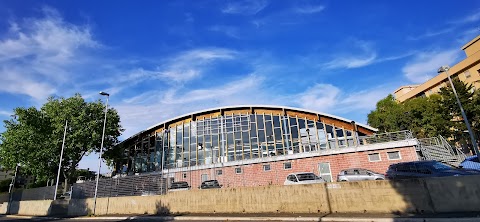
[302, 178]
[357, 174]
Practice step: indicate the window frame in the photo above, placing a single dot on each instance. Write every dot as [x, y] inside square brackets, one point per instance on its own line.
[265, 166]
[285, 164]
[379, 157]
[219, 172]
[396, 151]
[238, 170]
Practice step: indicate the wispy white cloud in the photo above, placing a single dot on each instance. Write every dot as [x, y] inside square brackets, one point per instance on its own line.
[351, 62]
[36, 53]
[364, 99]
[424, 66]
[144, 110]
[180, 68]
[430, 34]
[245, 7]
[309, 9]
[474, 17]
[366, 55]
[332, 99]
[229, 31]
[5, 113]
[320, 97]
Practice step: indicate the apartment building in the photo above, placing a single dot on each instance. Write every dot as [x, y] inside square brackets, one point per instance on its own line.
[467, 70]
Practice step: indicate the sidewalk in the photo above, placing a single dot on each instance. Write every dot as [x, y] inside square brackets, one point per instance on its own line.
[460, 217]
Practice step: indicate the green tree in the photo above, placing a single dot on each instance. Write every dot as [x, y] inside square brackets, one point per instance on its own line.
[466, 96]
[426, 117]
[387, 115]
[34, 138]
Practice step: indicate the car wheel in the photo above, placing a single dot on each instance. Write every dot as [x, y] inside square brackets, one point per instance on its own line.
[379, 179]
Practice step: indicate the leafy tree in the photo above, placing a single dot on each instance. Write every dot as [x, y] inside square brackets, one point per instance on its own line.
[469, 103]
[426, 117]
[438, 114]
[386, 116]
[34, 138]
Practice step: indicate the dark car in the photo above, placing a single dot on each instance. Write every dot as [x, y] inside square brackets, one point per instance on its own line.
[181, 185]
[471, 163]
[429, 168]
[209, 184]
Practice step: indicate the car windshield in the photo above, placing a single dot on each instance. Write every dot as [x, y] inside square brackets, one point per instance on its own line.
[441, 166]
[306, 176]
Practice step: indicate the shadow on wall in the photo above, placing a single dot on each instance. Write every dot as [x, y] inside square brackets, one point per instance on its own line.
[77, 206]
[441, 195]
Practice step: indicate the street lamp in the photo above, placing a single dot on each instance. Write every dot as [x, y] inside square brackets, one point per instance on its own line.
[60, 162]
[472, 137]
[101, 150]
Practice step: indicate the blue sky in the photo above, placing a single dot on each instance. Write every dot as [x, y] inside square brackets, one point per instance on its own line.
[161, 59]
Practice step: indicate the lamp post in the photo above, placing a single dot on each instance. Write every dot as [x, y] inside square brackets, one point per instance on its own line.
[472, 137]
[60, 162]
[101, 150]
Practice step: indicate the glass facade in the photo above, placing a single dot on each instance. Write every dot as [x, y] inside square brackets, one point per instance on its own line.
[232, 138]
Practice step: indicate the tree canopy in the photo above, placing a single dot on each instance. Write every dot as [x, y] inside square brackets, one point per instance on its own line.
[438, 114]
[33, 137]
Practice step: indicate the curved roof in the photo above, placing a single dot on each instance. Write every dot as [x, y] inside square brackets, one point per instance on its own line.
[211, 110]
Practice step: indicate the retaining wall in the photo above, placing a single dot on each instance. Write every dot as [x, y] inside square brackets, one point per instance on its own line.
[433, 195]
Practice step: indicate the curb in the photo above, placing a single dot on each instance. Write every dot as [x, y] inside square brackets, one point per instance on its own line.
[203, 218]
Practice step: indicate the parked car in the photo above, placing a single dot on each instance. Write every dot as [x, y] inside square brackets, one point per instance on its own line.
[180, 185]
[210, 184]
[302, 178]
[471, 163]
[357, 174]
[428, 168]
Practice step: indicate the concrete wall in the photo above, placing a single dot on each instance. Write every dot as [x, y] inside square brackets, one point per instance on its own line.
[434, 195]
[30, 207]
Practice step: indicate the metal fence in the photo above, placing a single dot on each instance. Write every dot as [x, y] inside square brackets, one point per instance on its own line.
[386, 137]
[139, 185]
[41, 193]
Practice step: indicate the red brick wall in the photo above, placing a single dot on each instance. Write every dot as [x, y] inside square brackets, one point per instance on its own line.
[254, 175]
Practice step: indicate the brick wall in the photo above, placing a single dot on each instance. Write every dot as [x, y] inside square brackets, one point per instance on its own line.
[254, 174]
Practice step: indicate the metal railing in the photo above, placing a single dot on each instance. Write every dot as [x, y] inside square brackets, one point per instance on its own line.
[438, 148]
[135, 185]
[386, 137]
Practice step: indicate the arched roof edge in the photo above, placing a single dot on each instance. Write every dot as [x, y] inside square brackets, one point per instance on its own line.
[249, 106]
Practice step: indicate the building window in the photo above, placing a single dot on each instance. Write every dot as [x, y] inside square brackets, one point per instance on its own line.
[287, 165]
[374, 157]
[184, 175]
[219, 172]
[395, 155]
[238, 170]
[467, 74]
[266, 167]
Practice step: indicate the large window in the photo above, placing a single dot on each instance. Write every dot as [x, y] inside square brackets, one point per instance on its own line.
[237, 137]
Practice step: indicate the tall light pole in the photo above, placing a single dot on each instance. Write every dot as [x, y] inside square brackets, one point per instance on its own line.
[472, 137]
[60, 162]
[101, 150]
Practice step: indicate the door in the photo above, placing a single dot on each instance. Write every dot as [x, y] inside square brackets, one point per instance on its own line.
[325, 173]
[204, 177]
